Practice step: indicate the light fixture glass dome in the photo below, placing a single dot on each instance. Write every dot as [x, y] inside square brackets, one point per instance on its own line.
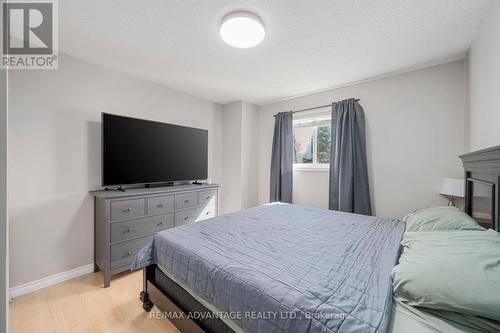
[242, 29]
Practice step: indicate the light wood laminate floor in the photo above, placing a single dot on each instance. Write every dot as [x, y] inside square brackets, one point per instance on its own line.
[83, 305]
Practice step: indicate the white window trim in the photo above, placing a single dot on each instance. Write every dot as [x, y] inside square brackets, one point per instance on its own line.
[318, 167]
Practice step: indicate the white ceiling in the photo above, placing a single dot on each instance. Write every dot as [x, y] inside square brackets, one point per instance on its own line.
[310, 45]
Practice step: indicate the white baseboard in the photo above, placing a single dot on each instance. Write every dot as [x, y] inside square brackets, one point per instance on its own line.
[50, 280]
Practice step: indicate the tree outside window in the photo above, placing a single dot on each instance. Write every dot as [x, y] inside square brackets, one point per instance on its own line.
[311, 142]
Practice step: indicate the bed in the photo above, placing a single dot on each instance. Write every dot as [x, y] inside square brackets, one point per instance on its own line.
[281, 267]
[259, 270]
[267, 258]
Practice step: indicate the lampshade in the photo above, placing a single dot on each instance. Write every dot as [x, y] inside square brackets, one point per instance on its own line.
[453, 186]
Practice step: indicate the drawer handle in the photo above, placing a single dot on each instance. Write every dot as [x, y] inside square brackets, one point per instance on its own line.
[129, 253]
[186, 201]
[161, 204]
[186, 218]
[127, 210]
[130, 230]
[207, 213]
[160, 223]
[208, 198]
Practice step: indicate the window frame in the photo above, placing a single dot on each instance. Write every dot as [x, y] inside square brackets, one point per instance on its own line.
[317, 119]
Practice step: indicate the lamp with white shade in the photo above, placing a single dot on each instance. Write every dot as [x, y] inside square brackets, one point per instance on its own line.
[452, 188]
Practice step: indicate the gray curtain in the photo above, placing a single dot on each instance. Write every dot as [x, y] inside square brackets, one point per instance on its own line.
[349, 188]
[282, 158]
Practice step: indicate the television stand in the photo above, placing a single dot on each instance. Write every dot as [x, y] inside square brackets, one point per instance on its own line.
[126, 222]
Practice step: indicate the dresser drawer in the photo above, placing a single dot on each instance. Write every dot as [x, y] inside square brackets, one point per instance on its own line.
[122, 254]
[187, 216]
[163, 204]
[206, 198]
[207, 212]
[186, 200]
[124, 209]
[142, 226]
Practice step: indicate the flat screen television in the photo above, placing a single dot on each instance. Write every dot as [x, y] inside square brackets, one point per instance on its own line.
[137, 151]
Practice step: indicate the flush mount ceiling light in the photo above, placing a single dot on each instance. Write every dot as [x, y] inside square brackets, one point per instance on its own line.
[242, 29]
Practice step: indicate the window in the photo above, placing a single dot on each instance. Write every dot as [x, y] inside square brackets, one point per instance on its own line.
[311, 142]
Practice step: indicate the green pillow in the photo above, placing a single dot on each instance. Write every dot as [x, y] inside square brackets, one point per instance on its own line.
[455, 271]
[440, 218]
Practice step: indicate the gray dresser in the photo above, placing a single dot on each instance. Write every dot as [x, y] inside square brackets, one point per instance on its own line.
[126, 221]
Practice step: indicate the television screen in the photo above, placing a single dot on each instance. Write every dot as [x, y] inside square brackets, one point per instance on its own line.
[136, 151]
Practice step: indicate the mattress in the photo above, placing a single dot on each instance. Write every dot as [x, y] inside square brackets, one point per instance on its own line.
[286, 268]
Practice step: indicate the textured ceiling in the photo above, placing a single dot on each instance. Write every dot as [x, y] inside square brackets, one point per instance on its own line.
[310, 45]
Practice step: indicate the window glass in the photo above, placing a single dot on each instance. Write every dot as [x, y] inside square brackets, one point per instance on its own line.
[323, 140]
[312, 141]
[303, 142]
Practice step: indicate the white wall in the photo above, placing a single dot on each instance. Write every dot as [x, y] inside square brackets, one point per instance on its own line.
[415, 130]
[54, 155]
[232, 187]
[484, 67]
[249, 155]
[240, 187]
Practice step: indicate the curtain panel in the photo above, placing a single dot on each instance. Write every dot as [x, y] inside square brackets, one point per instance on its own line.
[349, 184]
[282, 158]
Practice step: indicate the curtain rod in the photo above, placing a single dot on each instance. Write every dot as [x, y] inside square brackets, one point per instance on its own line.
[318, 107]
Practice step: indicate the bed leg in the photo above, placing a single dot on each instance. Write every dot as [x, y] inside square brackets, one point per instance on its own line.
[146, 303]
[143, 296]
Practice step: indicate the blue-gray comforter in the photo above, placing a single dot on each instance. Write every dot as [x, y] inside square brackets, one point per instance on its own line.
[286, 268]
